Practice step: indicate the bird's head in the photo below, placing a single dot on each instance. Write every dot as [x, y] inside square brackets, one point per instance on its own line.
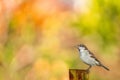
[81, 47]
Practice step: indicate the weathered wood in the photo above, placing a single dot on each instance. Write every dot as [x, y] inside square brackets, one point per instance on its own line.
[77, 74]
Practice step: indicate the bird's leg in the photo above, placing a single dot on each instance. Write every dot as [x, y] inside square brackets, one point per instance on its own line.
[89, 68]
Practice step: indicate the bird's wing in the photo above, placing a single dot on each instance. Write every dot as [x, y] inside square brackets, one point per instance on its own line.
[93, 56]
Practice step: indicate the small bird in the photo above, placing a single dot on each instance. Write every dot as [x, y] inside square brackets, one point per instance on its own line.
[88, 57]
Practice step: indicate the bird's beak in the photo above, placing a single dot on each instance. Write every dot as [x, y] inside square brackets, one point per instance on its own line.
[75, 47]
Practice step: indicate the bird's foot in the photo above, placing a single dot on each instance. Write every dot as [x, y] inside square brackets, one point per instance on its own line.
[88, 70]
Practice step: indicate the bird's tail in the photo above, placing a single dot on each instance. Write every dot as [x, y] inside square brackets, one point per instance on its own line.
[105, 67]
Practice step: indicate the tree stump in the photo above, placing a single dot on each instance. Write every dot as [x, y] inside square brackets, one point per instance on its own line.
[77, 74]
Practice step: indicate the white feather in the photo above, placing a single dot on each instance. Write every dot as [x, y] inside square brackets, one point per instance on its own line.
[86, 57]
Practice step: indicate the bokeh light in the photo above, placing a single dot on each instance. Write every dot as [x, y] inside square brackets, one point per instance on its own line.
[37, 38]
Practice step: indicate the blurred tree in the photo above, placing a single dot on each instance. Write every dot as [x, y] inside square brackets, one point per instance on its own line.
[100, 20]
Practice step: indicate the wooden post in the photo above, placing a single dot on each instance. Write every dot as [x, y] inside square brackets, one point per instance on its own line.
[77, 74]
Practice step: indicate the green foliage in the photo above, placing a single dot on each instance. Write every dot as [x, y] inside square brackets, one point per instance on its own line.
[102, 20]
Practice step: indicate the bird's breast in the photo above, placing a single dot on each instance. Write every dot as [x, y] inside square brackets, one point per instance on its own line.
[86, 57]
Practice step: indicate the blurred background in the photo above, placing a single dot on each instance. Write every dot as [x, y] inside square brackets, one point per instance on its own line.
[37, 38]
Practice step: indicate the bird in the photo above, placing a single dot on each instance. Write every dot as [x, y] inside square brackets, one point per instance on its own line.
[88, 57]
